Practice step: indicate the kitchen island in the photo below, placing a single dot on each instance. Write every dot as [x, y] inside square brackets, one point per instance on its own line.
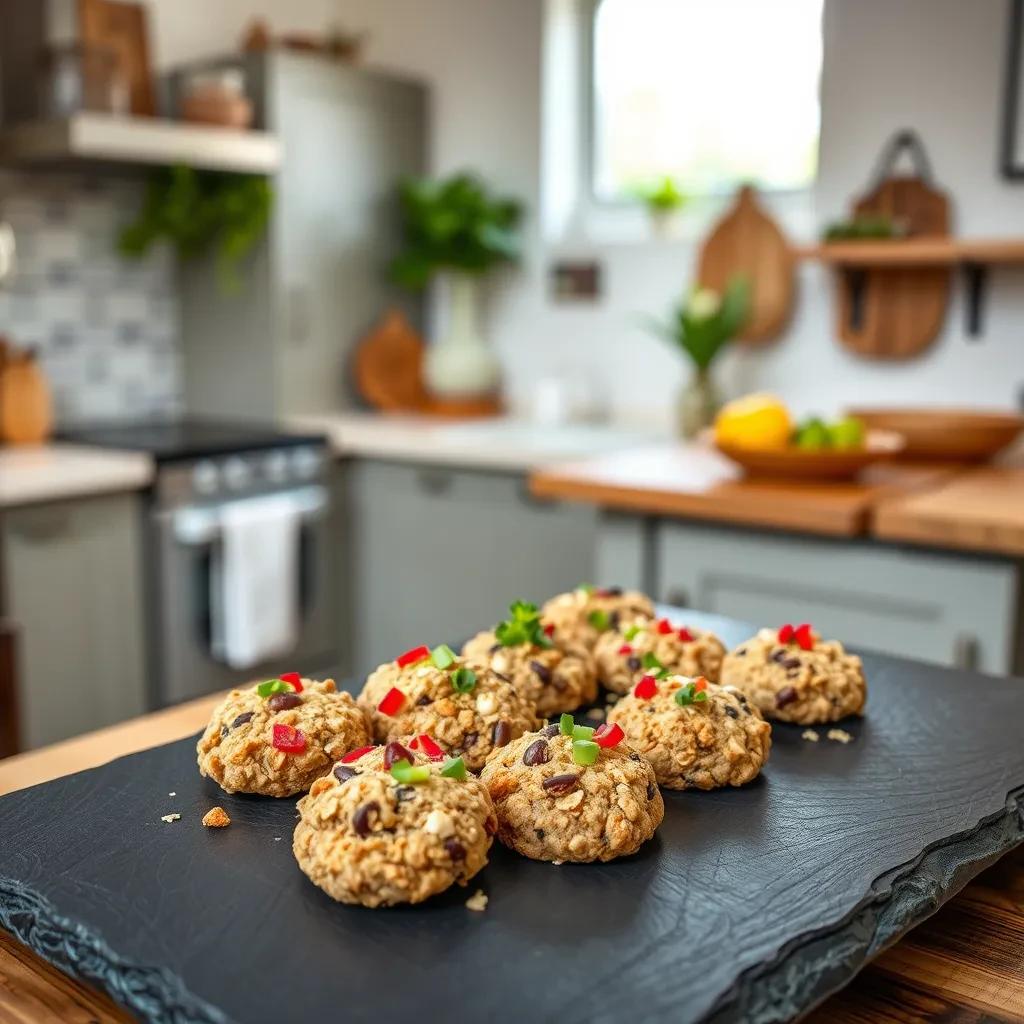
[961, 964]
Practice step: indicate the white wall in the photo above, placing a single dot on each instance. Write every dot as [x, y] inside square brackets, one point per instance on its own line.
[934, 65]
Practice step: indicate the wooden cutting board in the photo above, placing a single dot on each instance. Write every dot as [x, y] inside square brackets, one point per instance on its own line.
[897, 312]
[98, 884]
[747, 242]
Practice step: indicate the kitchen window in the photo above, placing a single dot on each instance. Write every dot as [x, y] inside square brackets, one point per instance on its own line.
[708, 92]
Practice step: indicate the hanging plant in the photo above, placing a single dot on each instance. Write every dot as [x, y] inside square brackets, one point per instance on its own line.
[194, 210]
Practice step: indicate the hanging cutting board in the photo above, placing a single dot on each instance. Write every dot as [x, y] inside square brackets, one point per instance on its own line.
[747, 242]
[897, 312]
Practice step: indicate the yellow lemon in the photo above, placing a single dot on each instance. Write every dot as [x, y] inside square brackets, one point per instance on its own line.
[754, 421]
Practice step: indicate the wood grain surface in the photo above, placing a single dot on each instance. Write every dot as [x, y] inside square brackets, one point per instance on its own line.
[692, 481]
[978, 510]
[965, 964]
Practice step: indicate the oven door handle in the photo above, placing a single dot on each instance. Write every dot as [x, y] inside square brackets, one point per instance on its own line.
[200, 526]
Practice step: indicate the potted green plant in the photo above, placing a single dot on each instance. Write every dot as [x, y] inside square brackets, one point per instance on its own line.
[702, 326]
[455, 228]
[664, 199]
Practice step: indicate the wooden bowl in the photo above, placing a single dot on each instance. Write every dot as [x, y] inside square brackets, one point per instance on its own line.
[827, 464]
[960, 435]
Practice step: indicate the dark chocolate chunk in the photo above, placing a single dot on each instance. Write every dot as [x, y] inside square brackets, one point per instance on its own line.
[500, 734]
[342, 772]
[242, 719]
[361, 819]
[731, 711]
[455, 849]
[651, 790]
[634, 663]
[541, 670]
[536, 753]
[559, 785]
[785, 696]
[284, 702]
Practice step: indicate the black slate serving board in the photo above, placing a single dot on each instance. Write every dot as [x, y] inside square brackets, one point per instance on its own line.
[750, 904]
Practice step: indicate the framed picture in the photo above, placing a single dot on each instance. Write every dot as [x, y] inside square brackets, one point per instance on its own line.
[1012, 143]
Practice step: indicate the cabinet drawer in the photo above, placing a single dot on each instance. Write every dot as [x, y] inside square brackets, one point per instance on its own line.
[940, 608]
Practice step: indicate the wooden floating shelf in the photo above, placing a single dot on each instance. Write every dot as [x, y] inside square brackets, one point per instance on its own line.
[975, 257]
[915, 252]
[106, 140]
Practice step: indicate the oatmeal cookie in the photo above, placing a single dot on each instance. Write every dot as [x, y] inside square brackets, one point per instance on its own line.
[550, 807]
[468, 711]
[552, 678]
[793, 675]
[696, 734]
[579, 617]
[642, 645]
[366, 836]
[270, 739]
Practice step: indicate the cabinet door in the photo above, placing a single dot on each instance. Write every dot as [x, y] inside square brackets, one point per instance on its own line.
[437, 554]
[75, 595]
[939, 608]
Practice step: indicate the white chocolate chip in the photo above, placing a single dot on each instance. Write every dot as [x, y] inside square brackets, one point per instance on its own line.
[500, 662]
[487, 704]
[839, 735]
[439, 824]
[423, 670]
[570, 802]
[477, 902]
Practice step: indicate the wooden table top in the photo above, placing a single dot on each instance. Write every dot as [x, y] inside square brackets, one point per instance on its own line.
[694, 481]
[965, 964]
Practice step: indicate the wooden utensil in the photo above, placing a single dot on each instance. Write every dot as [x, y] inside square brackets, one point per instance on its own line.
[121, 28]
[26, 413]
[747, 242]
[896, 312]
[957, 435]
[388, 365]
[810, 464]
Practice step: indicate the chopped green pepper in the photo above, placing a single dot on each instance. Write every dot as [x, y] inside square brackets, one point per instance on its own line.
[631, 633]
[598, 618]
[454, 768]
[585, 751]
[272, 686]
[442, 656]
[408, 774]
[582, 732]
[566, 725]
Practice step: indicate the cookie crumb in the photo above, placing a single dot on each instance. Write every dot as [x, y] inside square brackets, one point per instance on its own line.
[595, 714]
[172, 794]
[839, 735]
[216, 817]
[811, 735]
[478, 901]
[170, 817]
[277, 839]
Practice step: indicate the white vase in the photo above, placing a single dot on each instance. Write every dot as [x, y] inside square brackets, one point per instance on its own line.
[460, 363]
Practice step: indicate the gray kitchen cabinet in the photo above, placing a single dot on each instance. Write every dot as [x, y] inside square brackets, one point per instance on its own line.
[942, 608]
[317, 282]
[435, 554]
[74, 593]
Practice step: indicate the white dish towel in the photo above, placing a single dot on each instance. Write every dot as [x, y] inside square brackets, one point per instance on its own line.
[258, 603]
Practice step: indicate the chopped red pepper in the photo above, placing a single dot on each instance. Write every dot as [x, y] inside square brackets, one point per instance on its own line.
[700, 683]
[293, 679]
[420, 653]
[289, 739]
[626, 649]
[354, 755]
[664, 627]
[393, 700]
[429, 747]
[609, 735]
[646, 688]
[786, 633]
[549, 629]
[802, 635]
[686, 636]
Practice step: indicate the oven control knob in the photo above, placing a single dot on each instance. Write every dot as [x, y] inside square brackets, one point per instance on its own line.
[205, 477]
[275, 467]
[236, 474]
[306, 462]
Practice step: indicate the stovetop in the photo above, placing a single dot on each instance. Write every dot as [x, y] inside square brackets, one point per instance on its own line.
[188, 438]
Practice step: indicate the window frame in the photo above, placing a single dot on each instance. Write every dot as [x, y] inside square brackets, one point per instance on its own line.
[590, 198]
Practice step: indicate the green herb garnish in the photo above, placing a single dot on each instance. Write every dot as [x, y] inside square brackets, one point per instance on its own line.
[442, 656]
[272, 686]
[566, 725]
[689, 694]
[463, 680]
[522, 627]
[631, 633]
[653, 665]
[599, 619]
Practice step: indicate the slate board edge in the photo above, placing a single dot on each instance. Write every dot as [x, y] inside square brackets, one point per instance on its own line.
[804, 973]
[816, 965]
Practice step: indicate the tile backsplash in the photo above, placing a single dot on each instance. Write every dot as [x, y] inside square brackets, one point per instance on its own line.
[105, 328]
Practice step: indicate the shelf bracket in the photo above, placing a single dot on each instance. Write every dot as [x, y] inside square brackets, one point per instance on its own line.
[856, 283]
[976, 280]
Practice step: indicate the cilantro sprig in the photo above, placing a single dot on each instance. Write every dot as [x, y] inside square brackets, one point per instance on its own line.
[689, 694]
[522, 627]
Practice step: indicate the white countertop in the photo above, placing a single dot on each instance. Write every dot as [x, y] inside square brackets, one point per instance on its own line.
[497, 443]
[52, 471]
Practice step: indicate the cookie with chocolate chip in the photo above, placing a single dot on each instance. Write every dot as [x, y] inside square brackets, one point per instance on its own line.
[793, 675]
[277, 737]
[696, 734]
[468, 711]
[579, 617]
[643, 645]
[561, 797]
[378, 836]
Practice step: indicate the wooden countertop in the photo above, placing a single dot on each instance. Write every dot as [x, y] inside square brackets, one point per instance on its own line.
[693, 481]
[963, 964]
